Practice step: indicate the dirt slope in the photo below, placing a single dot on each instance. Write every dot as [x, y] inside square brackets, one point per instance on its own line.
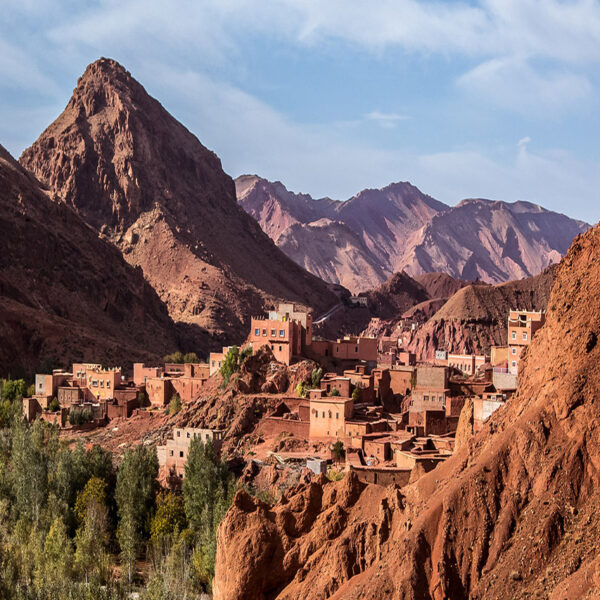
[66, 294]
[512, 515]
[143, 180]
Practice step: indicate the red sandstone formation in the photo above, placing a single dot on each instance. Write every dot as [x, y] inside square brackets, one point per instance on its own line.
[145, 182]
[474, 318]
[398, 228]
[66, 294]
[514, 514]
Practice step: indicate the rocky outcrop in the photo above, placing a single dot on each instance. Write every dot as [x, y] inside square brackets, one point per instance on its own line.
[513, 514]
[398, 229]
[474, 319]
[65, 293]
[142, 180]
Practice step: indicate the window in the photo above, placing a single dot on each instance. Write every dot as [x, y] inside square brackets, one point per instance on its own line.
[514, 335]
[179, 434]
[213, 362]
[323, 414]
[355, 348]
[257, 331]
[188, 435]
[282, 333]
[524, 336]
[426, 398]
[337, 415]
[280, 348]
[181, 454]
[514, 363]
[108, 384]
[102, 383]
[514, 351]
[273, 332]
[264, 332]
[171, 453]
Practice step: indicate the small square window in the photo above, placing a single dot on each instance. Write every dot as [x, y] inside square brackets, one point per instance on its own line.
[514, 335]
[524, 336]
[264, 332]
[273, 332]
[181, 454]
[514, 351]
[257, 331]
[282, 333]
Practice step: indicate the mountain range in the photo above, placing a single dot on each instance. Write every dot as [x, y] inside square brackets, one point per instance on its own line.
[362, 241]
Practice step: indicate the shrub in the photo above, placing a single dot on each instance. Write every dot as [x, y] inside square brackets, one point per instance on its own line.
[356, 394]
[79, 416]
[230, 364]
[334, 392]
[54, 405]
[175, 357]
[316, 376]
[174, 405]
[191, 357]
[301, 390]
[338, 450]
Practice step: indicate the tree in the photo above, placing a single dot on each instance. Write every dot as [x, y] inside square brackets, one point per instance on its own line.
[316, 376]
[56, 564]
[207, 491]
[230, 364]
[169, 517]
[175, 357]
[356, 394]
[301, 390]
[338, 450]
[191, 357]
[54, 405]
[245, 353]
[174, 405]
[135, 493]
[94, 491]
[334, 392]
[12, 392]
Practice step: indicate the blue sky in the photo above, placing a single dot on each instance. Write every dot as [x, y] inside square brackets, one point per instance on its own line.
[492, 98]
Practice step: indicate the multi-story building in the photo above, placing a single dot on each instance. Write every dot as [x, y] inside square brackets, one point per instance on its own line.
[172, 457]
[522, 326]
[467, 364]
[328, 415]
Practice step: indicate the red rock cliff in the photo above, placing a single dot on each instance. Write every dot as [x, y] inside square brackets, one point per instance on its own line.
[514, 514]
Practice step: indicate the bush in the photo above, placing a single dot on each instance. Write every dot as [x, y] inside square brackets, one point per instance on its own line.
[245, 353]
[230, 364]
[191, 357]
[54, 405]
[316, 376]
[338, 450]
[174, 405]
[356, 394]
[79, 416]
[175, 357]
[334, 392]
[301, 390]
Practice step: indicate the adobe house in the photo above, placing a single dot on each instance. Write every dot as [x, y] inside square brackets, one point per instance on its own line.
[522, 326]
[430, 390]
[216, 359]
[172, 456]
[467, 364]
[141, 372]
[328, 415]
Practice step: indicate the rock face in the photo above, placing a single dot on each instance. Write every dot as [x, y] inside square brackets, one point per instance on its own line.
[139, 177]
[513, 514]
[474, 318]
[398, 228]
[66, 294]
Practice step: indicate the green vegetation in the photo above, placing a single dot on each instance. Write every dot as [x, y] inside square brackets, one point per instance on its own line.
[79, 416]
[338, 450]
[68, 517]
[174, 405]
[316, 376]
[54, 405]
[12, 392]
[334, 475]
[302, 390]
[179, 358]
[334, 392]
[356, 394]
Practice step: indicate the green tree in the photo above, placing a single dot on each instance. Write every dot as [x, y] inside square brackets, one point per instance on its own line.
[174, 405]
[56, 564]
[334, 392]
[12, 391]
[230, 364]
[356, 394]
[338, 450]
[245, 353]
[316, 376]
[94, 491]
[301, 390]
[54, 405]
[191, 357]
[169, 516]
[207, 491]
[135, 495]
[175, 357]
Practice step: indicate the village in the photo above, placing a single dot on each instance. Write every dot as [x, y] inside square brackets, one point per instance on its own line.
[372, 407]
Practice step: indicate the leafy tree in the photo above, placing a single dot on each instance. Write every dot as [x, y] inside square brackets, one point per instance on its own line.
[191, 357]
[301, 390]
[207, 491]
[174, 405]
[175, 357]
[338, 450]
[79, 416]
[135, 493]
[54, 405]
[14, 389]
[56, 564]
[94, 491]
[230, 364]
[169, 517]
[245, 353]
[316, 376]
[334, 392]
[356, 394]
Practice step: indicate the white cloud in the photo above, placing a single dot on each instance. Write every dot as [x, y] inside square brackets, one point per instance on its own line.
[387, 120]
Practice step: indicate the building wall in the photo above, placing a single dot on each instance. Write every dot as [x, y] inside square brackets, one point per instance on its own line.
[159, 391]
[435, 422]
[428, 399]
[328, 417]
[498, 355]
[102, 382]
[141, 372]
[382, 476]
[482, 410]
[432, 377]
[401, 380]
[284, 337]
[69, 395]
[341, 384]
[188, 388]
[273, 426]
[377, 448]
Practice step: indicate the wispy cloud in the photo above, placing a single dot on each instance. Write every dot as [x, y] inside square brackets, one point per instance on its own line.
[387, 120]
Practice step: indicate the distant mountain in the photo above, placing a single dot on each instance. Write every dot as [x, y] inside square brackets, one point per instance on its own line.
[399, 229]
[65, 293]
[141, 179]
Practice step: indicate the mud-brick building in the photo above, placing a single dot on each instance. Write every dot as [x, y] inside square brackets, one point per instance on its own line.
[172, 456]
[328, 415]
[522, 326]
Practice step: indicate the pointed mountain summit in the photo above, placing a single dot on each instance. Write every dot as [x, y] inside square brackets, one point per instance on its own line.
[140, 178]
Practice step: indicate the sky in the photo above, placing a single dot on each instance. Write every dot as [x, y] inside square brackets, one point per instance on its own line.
[493, 99]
